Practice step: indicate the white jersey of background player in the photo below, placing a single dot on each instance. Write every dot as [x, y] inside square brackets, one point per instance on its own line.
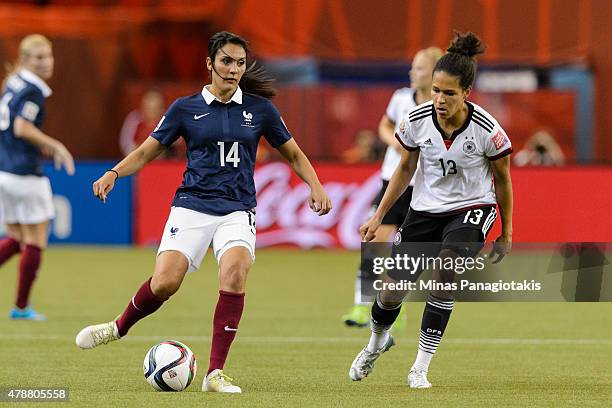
[466, 155]
[402, 101]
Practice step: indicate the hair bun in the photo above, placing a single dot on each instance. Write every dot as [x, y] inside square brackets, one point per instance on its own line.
[467, 44]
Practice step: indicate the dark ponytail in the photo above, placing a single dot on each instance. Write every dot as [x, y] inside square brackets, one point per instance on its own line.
[459, 60]
[255, 80]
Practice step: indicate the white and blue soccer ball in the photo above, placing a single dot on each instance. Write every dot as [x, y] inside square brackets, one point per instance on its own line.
[170, 366]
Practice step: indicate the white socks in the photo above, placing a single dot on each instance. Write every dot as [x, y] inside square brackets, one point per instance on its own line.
[422, 361]
[377, 341]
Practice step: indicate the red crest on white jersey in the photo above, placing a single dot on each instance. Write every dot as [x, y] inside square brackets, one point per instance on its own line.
[402, 126]
[499, 139]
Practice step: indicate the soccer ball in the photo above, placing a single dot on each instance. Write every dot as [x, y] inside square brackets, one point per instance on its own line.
[169, 366]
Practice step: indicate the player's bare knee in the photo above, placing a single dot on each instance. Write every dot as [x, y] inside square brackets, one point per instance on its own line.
[34, 235]
[444, 275]
[232, 275]
[448, 253]
[447, 274]
[14, 231]
[235, 264]
[391, 298]
[166, 281]
[165, 285]
[170, 269]
[234, 268]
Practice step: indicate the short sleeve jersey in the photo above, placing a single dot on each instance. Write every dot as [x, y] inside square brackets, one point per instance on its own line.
[401, 102]
[24, 96]
[221, 140]
[455, 174]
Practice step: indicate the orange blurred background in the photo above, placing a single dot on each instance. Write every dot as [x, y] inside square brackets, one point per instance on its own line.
[109, 52]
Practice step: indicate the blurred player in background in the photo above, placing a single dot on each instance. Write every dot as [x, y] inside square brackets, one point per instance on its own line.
[401, 102]
[139, 123]
[26, 202]
[222, 126]
[463, 154]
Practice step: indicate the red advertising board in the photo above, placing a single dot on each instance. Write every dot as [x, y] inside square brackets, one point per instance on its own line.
[551, 204]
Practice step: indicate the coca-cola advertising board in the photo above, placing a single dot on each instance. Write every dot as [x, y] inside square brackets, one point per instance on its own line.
[283, 214]
[550, 204]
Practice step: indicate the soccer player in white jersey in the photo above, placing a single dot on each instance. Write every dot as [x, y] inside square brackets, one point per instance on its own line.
[463, 154]
[26, 201]
[401, 102]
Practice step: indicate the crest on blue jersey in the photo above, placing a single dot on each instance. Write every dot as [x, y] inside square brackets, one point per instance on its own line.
[248, 119]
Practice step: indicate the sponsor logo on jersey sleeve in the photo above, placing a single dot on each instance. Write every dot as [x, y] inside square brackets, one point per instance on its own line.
[499, 139]
[30, 110]
[402, 127]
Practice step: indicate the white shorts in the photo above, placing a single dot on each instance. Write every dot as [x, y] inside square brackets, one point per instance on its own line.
[191, 232]
[25, 199]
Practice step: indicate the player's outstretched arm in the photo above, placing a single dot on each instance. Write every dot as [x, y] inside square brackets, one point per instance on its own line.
[132, 163]
[397, 185]
[503, 192]
[26, 130]
[319, 201]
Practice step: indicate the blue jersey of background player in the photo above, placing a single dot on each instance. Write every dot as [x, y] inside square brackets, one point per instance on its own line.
[24, 95]
[221, 126]
[26, 201]
[221, 140]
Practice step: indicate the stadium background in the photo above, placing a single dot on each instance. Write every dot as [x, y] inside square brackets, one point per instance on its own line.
[336, 66]
[548, 66]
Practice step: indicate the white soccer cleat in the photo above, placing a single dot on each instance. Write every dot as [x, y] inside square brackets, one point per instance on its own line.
[93, 336]
[364, 362]
[216, 381]
[417, 378]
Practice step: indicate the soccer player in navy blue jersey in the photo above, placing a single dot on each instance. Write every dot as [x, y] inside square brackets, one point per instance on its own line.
[221, 126]
[26, 204]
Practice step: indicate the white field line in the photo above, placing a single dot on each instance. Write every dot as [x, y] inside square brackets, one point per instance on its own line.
[315, 340]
